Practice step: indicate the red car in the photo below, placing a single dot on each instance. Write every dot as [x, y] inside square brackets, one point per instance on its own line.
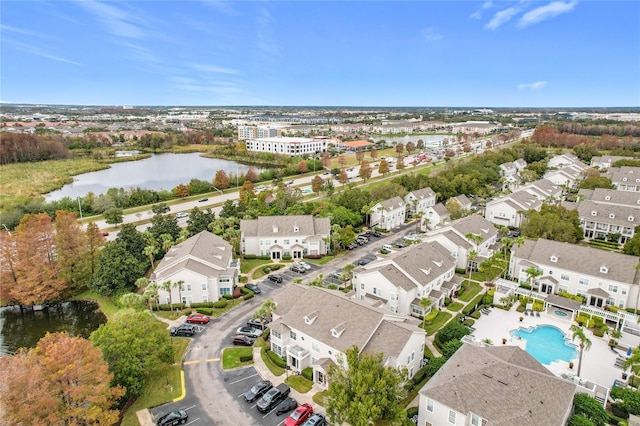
[298, 417]
[198, 319]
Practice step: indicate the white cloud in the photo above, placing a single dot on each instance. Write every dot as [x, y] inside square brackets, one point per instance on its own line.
[549, 11]
[476, 15]
[210, 68]
[266, 40]
[501, 17]
[487, 5]
[429, 34]
[118, 21]
[536, 85]
[37, 51]
[222, 6]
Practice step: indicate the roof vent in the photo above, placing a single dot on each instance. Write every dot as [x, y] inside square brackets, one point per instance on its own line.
[604, 269]
[275, 228]
[554, 258]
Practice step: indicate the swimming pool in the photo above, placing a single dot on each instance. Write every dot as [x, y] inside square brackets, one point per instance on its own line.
[546, 343]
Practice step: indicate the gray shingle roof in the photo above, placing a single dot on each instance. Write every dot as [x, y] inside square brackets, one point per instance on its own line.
[265, 226]
[392, 203]
[423, 193]
[609, 213]
[574, 257]
[611, 196]
[502, 384]
[425, 261]
[475, 224]
[207, 253]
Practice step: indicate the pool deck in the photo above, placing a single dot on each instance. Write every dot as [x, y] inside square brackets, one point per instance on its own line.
[598, 363]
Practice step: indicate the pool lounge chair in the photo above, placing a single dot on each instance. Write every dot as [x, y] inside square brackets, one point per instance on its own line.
[537, 314]
[526, 312]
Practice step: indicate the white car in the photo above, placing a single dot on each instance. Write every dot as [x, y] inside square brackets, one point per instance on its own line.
[249, 331]
[181, 215]
[305, 265]
[260, 188]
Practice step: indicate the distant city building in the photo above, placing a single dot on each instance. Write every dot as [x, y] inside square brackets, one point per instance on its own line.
[254, 132]
[288, 145]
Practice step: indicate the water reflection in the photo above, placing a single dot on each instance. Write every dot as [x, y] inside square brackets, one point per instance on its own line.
[23, 329]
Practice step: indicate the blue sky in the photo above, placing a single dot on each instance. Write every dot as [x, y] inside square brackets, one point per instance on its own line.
[327, 53]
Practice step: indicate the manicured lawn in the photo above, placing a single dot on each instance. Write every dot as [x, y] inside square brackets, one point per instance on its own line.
[248, 264]
[321, 261]
[232, 304]
[455, 306]
[261, 273]
[299, 383]
[320, 397]
[163, 387]
[231, 357]
[170, 315]
[106, 304]
[435, 324]
[470, 291]
[277, 371]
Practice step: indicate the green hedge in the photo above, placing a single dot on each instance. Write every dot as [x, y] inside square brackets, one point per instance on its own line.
[276, 359]
[250, 256]
[286, 257]
[167, 307]
[222, 303]
[202, 305]
[247, 296]
[265, 257]
[243, 279]
[228, 296]
[245, 290]
[420, 375]
[246, 358]
[266, 333]
[205, 311]
[412, 411]
[307, 373]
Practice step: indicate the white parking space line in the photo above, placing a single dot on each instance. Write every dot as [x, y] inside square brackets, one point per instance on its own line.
[193, 421]
[243, 379]
[187, 409]
[272, 410]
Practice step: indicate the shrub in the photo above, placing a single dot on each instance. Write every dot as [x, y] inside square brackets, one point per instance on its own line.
[265, 257]
[332, 287]
[275, 266]
[167, 307]
[205, 311]
[266, 333]
[434, 365]
[449, 348]
[447, 301]
[420, 375]
[202, 305]
[591, 408]
[187, 312]
[220, 304]
[247, 296]
[276, 359]
[475, 315]
[250, 256]
[460, 271]
[243, 279]
[468, 322]
[228, 296]
[245, 290]
[246, 358]
[599, 331]
[383, 251]
[412, 411]
[266, 269]
[307, 373]
[286, 257]
[452, 331]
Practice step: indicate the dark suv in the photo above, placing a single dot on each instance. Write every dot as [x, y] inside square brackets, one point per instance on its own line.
[276, 278]
[183, 330]
[257, 390]
[273, 397]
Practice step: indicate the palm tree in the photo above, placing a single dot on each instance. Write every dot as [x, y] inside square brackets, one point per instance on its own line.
[348, 269]
[178, 285]
[151, 250]
[418, 216]
[168, 287]
[142, 283]
[151, 292]
[266, 309]
[532, 273]
[472, 256]
[585, 343]
[424, 304]
[633, 361]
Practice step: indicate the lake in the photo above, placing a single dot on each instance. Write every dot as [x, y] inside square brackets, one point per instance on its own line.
[160, 171]
[23, 329]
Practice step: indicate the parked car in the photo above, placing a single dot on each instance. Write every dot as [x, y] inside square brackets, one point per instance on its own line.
[256, 323]
[363, 237]
[242, 340]
[376, 234]
[305, 265]
[363, 262]
[298, 269]
[411, 237]
[399, 244]
[290, 182]
[315, 420]
[273, 397]
[173, 418]
[183, 330]
[249, 331]
[257, 390]
[202, 200]
[298, 417]
[276, 278]
[254, 288]
[105, 234]
[181, 215]
[285, 406]
[198, 319]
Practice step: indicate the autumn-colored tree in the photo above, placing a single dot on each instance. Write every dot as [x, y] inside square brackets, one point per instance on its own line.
[365, 170]
[316, 184]
[400, 163]
[342, 160]
[246, 191]
[420, 144]
[410, 147]
[383, 168]
[72, 251]
[466, 147]
[326, 160]
[302, 167]
[359, 154]
[251, 175]
[373, 153]
[221, 181]
[343, 178]
[95, 242]
[62, 381]
[181, 191]
[7, 271]
[37, 272]
[399, 148]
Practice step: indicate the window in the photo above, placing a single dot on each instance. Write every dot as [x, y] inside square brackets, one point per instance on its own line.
[613, 288]
[276, 334]
[394, 297]
[475, 420]
[612, 216]
[277, 349]
[315, 347]
[224, 280]
[594, 213]
[292, 335]
[564, 277]
[452, 417]
[225, 290]
[430, 405]
[583, 281]
[361, 286]
[554, 259]
[623, 290]
[563, 288]
[205, 298]
[413, 356]
[286, 241]
[604, 269]
[188, 287]
[204, 286]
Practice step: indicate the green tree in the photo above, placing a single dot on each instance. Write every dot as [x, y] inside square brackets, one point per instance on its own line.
[632, 246]
[590, 408]
[117, 270]
[400, 163]
[553, 223]
[113, 216]
[199, 220]
[585, 343]
[628, 400]
[453, 330]
[160, 208]
[594, 182]
[363, 391]
[348, 270]
[135, 346]
[454, 208]
[424, 304]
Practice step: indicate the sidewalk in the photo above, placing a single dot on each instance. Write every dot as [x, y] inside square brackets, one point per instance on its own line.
[266, 374]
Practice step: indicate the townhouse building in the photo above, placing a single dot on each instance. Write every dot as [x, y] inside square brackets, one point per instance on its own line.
[608, 221]
[292, 146]
[460, 237]
[417, 201]
[398, 282]
[601, 277]
[200, 269]
[435, 216]
[494, 385]
[605, 161]
[277, 236]
[624, 178]
[388, 214]
[510, 210]
[314, 328]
